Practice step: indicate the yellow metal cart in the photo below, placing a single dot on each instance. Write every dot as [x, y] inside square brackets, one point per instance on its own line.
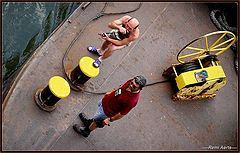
[198, 73]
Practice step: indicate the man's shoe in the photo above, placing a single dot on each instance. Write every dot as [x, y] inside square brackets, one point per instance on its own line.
[93, 50]
[97, 63]
[81, 130]
[87, 122]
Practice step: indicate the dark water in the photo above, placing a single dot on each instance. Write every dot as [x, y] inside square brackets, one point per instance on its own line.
[25, 26]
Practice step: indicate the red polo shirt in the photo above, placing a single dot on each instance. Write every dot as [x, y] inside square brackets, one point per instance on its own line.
[122, 103]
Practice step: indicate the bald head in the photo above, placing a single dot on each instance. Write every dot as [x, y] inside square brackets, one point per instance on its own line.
[133, 22]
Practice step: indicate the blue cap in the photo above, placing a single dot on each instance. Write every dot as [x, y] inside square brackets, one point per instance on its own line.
[140, 80]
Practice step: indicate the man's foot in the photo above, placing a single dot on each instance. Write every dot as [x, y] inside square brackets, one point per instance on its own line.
[97, 63]
[93, 50]
[87, 122]
[81, 130]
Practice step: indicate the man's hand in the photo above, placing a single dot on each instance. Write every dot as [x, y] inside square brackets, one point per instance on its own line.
[122, 30]
[106, 121]
[107, 93]
[104, 36]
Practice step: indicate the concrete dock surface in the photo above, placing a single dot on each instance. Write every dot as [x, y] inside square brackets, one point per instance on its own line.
[157, 122]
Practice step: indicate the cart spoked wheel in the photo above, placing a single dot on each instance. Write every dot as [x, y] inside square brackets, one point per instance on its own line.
[213, 43]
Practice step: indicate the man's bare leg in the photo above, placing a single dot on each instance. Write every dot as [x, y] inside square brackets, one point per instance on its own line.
[105, 45]
[93, 126]
[106, 54]
[109, 51]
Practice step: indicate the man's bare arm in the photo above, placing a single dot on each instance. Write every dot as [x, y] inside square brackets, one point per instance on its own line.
[117, 117]
[114, 118]
[117, 24]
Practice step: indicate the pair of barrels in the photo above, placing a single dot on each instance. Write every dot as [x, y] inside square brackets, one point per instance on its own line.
[59, 88]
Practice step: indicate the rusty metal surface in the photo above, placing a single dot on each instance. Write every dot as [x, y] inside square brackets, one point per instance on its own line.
[157, 122]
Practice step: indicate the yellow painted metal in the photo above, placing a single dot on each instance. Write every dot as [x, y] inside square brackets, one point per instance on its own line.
[200, 63]
[221, 37]
[215, 48]
[174, 69]
[59, 87]
[194, 48]
[86, 66]
[188, 78]
[193, 54]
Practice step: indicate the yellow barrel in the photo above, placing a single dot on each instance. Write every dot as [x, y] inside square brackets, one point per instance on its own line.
[84, 71]
[86, 66]
[56, 89]
[59, 87]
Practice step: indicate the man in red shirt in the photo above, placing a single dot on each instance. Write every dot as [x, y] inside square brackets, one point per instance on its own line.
[113, 106]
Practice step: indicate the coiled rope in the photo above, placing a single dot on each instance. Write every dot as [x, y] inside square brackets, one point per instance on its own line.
[219, 20]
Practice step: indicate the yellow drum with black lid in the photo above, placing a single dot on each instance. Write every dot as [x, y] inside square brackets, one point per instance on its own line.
[84, 71]
[56, 89]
